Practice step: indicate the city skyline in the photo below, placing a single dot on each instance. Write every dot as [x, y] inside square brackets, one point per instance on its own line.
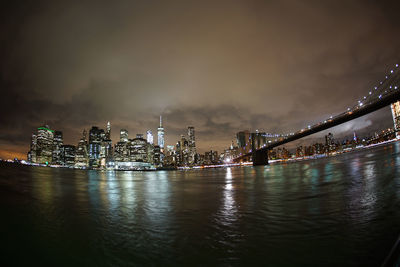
[223, 69]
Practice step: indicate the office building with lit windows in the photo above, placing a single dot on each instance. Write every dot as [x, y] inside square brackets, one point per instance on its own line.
[57, 143]
[160, 132]
[395, 107]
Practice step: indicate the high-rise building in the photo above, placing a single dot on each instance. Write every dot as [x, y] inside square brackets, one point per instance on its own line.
[67, 155]
[96, 136]
[32, 152]
[191, 146]
[44, 151]
[157, 155]
[150, 138]
[161, 136]
[57, 143]
[329, 142]
[211, 157]
[192, 141]
[243, 141]
[106, 146]
[121, 151]
[123, 135]
[138, 150]
[108, 131]
[396, 117]
[81, 155]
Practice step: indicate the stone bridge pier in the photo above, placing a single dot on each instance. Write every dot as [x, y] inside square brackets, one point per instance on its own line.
[260, 157]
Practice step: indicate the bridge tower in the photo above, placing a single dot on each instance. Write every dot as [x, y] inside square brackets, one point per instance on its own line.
[260, 157]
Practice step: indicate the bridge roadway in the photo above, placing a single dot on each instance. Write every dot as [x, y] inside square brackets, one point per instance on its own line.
[260, 156]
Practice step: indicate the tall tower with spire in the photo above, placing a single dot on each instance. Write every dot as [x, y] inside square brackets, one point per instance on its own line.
[161, 135]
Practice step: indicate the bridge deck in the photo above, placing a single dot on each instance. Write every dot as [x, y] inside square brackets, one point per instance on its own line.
[356, 112]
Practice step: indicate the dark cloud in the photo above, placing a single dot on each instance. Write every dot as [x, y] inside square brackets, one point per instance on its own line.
[221, 66]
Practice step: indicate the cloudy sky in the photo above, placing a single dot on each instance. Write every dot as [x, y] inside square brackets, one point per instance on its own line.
[220, 66]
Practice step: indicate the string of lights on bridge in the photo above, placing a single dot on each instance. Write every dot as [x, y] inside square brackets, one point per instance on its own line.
[382, 89]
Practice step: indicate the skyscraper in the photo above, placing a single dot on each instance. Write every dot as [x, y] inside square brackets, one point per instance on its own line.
[191, 145]
[150, 138]
[396, 117]
[192, 141]
[32, 152]
[123, 136]
[96, 136]
[57, 143]
[108, 131]
[106, 146]
[329, 142]
[67, 155]
[44, 151]
[161, 136]
[81, 155]
[243, 141]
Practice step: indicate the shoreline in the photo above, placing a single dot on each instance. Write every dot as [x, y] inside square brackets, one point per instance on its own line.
[226, 165]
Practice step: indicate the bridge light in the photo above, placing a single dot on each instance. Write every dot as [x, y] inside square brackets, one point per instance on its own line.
[380, 82]
[397, 65]
[391, 71]
[380, 96]
[361, 104]
[376, 87]
[330, 117]
[348, 108]
[386, 77]
[365, 97]
[395, 87]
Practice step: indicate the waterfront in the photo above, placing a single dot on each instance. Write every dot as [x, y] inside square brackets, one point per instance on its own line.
[341, 210]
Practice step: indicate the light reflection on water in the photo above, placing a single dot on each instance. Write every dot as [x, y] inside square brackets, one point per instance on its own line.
[228, 208]
[340, 208]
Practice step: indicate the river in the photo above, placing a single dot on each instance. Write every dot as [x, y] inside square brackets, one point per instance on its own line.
[335, 211]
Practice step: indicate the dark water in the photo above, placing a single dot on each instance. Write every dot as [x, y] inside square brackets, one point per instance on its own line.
[339, 211]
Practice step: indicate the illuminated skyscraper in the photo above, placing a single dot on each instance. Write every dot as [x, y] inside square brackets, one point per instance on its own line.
[67, 155]
[32, 152]
[138, 150]
[191, 146]
[396, 117]
[106, 147]
[161, 136]
[150, 138]
[329, 142]
[108, 131]
[96, 136]
[123, 137]
[81, 155]
[57, 143]
[243, 141]
[44, 151]
[192, 141]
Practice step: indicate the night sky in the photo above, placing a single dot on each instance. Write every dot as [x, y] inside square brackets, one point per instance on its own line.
[220, 66]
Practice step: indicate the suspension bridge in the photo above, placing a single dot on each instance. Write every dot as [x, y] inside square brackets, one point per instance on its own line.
[382, 95]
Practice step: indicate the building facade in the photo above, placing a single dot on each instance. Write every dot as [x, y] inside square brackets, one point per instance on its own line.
[395, 107]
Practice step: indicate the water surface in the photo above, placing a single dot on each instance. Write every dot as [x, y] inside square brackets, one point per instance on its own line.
[338, 211]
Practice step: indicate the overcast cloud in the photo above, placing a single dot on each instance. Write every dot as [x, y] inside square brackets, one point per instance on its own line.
[220, 66]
